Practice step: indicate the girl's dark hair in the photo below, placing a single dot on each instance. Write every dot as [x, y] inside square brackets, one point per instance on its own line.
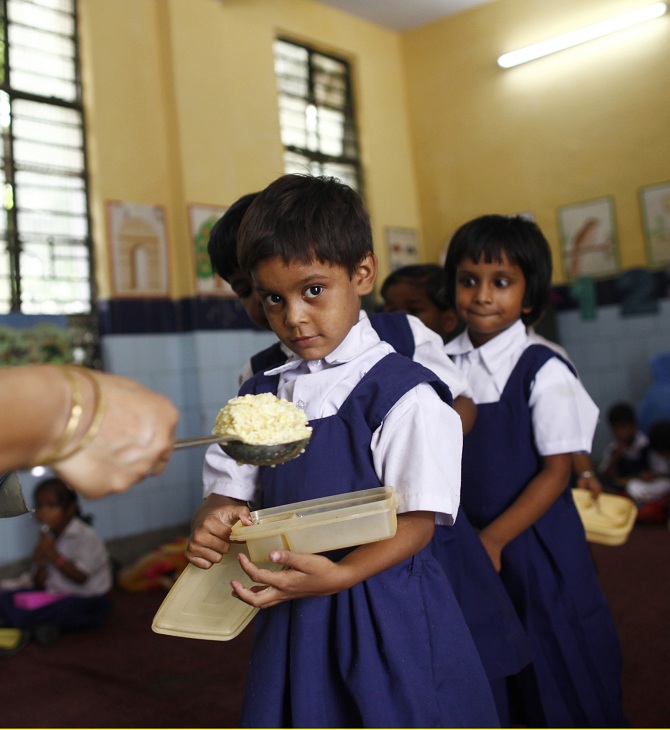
[429, 277]
[222, 244]
[303, 218]
[517, 238]
[65, 495]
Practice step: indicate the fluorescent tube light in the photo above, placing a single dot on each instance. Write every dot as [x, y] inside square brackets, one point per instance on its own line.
[589, 33]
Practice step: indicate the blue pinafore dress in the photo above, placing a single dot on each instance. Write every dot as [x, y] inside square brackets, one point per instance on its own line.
[575, 678]
[393, 650]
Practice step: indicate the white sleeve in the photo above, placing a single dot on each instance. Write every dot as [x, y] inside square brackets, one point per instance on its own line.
[429, 352]
[417, 450]
[564, 416]
[223, 475]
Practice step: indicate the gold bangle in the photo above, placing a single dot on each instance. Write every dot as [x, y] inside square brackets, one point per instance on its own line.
[73, 421]
[96, 421]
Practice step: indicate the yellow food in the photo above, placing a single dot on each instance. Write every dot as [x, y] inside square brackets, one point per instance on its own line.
[262, 419]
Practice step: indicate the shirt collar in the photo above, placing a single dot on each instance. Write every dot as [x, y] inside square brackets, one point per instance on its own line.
[492, 352]
[361, 337]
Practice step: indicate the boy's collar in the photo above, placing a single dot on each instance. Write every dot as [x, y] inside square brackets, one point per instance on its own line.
[359, 339]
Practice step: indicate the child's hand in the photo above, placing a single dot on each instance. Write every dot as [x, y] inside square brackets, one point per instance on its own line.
[308, 575]
[210, 529]
[493, 548]
[45, 551]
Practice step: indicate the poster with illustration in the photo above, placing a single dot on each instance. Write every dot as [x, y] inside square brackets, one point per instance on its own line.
[655, 204]
[403, 246]
[139, 255]
[201, 220]
[588, 239]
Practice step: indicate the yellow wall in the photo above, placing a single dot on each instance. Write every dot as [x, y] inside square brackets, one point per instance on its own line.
[589, 122]
[182, 108]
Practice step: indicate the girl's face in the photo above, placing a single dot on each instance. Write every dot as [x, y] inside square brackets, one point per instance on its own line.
[50, 512]
[311, 307]
[412, 299]
[489, 297]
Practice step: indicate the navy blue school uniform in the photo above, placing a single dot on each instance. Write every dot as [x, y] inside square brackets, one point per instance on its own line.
[393, 650]
[497, 632]
[548, 571]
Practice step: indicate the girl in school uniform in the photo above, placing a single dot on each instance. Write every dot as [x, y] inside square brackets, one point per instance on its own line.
[68, 586]
[532, 414]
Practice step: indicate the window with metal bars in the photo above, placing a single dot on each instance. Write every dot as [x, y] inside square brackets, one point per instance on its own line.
[316, 113]
[46, 262]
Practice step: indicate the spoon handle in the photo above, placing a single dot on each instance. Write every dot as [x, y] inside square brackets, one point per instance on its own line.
[200, 441]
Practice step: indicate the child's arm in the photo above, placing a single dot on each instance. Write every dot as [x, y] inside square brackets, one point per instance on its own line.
[46, 552]
[210, 529]
[541, 492]
[586, 473]
[467, 410]
[316, 575]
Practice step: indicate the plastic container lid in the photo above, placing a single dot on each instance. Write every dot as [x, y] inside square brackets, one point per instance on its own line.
[201, 604]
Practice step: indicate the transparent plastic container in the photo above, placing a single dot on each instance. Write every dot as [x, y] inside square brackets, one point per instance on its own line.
[607, 520]
[201, 604]
[319, 525]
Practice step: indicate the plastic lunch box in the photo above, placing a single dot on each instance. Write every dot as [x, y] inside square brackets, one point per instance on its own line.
[201, 605]
[319, 525]
[607, 520]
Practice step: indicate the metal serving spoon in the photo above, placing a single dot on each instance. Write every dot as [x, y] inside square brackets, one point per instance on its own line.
[256, 454]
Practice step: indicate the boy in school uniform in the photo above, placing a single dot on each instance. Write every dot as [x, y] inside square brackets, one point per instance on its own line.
[369, 636]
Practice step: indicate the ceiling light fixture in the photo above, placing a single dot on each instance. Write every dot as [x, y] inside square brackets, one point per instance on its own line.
[589, 33]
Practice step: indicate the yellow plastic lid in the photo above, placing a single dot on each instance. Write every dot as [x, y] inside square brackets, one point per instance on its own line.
[201, 604]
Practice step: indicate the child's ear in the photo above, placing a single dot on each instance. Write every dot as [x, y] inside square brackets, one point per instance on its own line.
[365, 274]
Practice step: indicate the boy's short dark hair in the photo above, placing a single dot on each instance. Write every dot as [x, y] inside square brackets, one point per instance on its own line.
[621, 413]
[302, 218]
[222, 244]
[516, 237]
[430, 277]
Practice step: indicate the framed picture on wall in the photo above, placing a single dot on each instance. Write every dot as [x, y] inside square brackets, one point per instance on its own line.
[403, 246]
[655, 210]
[588, 238]
[139, 254]
[201, 219]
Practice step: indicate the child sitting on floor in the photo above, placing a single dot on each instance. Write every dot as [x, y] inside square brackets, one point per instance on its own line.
[71, 574]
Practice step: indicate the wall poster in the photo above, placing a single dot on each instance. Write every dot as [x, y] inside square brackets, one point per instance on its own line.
[201, 219]
[655, 207]
[139, 255]
[588, 238]
[403, 247]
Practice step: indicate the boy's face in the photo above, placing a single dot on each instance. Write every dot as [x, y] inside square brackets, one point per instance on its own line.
[412, 299]
[311, 307]
[489, 297]
[243, 286]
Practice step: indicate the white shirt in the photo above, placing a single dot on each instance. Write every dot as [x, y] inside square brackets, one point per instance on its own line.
[428, 351]
[564, 416]
[80, 544]
[417, 449]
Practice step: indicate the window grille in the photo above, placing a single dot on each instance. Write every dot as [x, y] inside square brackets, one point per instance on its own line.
[316, 113]
[46, 262]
